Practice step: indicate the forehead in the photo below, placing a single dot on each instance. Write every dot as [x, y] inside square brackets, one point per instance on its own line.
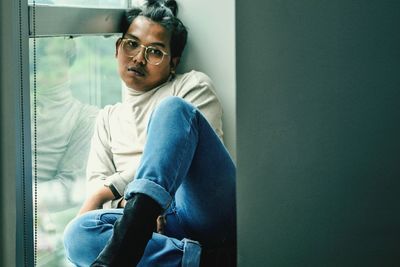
[148, 31]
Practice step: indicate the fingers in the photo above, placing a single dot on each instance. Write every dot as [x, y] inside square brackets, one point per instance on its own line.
[122, 203]
[161, 222]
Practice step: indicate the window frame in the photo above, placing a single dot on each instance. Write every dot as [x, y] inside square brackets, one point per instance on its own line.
[31, 21]
[44, 21]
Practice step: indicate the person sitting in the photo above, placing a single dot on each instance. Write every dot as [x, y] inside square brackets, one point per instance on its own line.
[159, 152]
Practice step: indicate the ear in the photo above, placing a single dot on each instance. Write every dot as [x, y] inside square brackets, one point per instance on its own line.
[174, 63]
[117, 44]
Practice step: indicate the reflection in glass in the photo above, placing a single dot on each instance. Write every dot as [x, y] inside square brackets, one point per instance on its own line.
[74, 78]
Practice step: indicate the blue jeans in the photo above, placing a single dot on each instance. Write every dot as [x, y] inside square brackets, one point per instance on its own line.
[185, 168]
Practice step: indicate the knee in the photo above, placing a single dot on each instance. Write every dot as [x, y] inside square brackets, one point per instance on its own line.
[172, 110]
[174, 104]
[80, 240]
[86, 235]
[71, 238]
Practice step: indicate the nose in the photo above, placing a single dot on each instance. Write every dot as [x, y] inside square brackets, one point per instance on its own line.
[140, 56]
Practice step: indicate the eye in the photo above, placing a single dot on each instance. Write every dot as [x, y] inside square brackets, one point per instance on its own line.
[132, 44]
[155, 52]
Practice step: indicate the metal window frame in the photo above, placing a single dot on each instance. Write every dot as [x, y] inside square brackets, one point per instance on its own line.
[16, 181]
[67, 21]
[16, 160]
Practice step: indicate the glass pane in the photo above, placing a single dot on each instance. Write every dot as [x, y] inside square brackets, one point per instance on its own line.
[74, 79]
[84, 3]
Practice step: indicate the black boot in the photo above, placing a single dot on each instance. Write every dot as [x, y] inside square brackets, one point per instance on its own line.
[131, 233]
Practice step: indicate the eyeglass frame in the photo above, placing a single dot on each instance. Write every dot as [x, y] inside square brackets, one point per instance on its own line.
[123, 40]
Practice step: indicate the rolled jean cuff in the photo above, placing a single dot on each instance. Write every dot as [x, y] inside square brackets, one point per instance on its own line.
[168, 251]
[151, 189]
[191, 253]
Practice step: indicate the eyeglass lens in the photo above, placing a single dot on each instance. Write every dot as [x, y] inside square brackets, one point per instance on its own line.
[153, 55]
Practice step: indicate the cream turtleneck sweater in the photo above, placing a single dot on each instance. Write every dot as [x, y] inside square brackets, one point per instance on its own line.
[121, 129]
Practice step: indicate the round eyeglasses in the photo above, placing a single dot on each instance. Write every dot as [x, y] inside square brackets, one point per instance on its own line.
[132, 48]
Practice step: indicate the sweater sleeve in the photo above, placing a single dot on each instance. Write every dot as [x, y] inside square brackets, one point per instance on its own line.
[198, 89]
[100, 165]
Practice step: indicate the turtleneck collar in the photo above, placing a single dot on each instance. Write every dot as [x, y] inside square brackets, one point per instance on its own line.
[131, 93]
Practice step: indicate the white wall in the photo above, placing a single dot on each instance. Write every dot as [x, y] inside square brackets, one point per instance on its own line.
[211, 49]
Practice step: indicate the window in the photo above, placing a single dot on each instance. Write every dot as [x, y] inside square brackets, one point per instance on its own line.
[72, 76]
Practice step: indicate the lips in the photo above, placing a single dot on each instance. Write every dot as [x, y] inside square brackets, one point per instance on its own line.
[138, 71]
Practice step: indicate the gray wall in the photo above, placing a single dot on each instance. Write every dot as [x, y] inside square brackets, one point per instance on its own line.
[318, 104]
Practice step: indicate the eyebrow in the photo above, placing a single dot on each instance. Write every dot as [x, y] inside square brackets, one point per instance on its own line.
[151, 44]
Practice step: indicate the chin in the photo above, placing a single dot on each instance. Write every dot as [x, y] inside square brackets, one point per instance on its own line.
[138, 87]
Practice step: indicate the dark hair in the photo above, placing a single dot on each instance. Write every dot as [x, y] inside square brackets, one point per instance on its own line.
[164, 12]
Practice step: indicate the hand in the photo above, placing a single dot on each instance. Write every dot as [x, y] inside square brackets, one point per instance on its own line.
[161, 223]
[122, 203]
[96, 200]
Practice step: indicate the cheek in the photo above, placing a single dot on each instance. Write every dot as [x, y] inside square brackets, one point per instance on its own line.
[121, 64]
[121, 60]
[155, 71]
[163, 70]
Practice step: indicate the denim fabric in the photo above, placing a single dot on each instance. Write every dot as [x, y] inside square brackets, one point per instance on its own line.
[170, 252]
[186, 165]
[87, 235]
[186, 168]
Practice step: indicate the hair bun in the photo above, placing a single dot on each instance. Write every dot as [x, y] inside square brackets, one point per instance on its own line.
[173, 5]
[170, 4]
